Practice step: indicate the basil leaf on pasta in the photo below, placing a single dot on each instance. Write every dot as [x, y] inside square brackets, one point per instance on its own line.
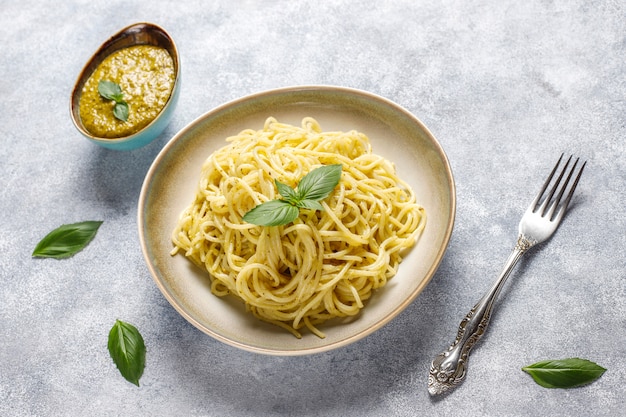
[66, 240]
[272, 213]
[285, 191]
[320, 182]
[314, 186]
[310, 204]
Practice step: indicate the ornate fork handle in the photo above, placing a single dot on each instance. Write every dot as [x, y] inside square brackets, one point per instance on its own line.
[448, 369]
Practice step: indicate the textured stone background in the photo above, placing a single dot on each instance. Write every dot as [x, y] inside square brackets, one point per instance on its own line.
[505, 86]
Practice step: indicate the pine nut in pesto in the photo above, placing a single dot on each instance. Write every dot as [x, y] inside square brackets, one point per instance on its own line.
[146, 76]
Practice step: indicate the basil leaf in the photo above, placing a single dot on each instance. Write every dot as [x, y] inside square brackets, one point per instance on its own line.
[272, 213]
[66, 240]
[110, 90]
[286, 191]
[120, 111]
[127, 348]
[319, 183]
[310, 204]
[564, 373]
[314, 186]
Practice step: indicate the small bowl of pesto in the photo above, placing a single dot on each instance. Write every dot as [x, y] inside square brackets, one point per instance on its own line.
[126, 94]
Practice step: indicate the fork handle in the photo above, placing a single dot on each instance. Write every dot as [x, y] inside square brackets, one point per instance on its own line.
[448, 369]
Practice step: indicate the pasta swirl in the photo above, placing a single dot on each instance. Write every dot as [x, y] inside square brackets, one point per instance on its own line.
[325, 264]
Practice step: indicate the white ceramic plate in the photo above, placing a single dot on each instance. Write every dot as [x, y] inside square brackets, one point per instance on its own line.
[171, 182]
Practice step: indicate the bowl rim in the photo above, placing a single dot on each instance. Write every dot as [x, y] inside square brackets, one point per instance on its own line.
[112, 44]
[234, 104]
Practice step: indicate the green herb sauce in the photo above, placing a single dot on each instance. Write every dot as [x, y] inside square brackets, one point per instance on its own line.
[146, 76]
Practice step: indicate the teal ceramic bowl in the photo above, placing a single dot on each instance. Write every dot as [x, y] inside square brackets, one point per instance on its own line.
[136, 34]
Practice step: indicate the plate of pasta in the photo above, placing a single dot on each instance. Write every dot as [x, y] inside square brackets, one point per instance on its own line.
[297, 220]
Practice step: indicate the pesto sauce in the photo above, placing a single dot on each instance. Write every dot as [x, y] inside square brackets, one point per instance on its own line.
[146, 75]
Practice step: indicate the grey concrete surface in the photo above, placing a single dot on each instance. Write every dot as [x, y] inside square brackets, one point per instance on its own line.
[505, 86]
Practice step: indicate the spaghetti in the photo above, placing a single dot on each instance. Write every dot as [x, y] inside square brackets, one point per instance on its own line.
[324, 264]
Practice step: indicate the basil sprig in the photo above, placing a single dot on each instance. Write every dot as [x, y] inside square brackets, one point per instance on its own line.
[66, 240]
[112, 91]
[128, 350]
[313, 187]
[564, 373]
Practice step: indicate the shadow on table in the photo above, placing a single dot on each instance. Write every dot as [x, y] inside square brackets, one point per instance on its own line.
[114, 178]
[362, 375]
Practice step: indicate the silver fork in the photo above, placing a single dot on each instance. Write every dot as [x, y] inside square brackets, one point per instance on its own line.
[538, 223]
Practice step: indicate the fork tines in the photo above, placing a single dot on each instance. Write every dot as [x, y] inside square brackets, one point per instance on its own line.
[551, 204]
